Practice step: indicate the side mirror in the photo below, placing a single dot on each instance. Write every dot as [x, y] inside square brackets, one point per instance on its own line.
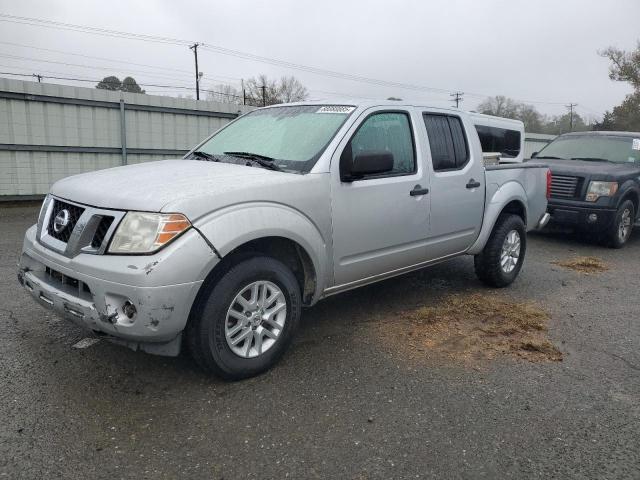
[369, 162]
[534, 154]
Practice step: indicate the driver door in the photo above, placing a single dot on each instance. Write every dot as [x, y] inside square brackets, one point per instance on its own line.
[381, 221]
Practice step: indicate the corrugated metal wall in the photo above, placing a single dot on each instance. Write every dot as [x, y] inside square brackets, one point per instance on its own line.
[533, 142]
[48, 131]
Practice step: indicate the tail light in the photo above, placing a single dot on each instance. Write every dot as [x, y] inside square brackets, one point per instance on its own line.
[548, 184]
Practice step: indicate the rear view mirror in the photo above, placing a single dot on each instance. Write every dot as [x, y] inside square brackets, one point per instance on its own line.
[364, 163]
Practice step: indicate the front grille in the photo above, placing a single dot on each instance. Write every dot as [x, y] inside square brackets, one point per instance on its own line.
[57, 279]
[74, 214]
[101, 231]
[563, 186]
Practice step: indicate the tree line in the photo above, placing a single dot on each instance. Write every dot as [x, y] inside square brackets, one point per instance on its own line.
[256, 91]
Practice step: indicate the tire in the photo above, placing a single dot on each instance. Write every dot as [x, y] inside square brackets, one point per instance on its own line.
[616, 237]
[219, 318]
[489, 264]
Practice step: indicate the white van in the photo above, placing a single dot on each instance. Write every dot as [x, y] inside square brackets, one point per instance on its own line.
[502, 139]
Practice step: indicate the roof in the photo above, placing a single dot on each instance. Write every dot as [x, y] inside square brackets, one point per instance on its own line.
[368, 104]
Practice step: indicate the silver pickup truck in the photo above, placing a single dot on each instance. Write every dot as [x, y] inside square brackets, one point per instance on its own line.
[219, 251]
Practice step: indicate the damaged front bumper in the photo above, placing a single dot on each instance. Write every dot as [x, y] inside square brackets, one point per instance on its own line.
[142, 302]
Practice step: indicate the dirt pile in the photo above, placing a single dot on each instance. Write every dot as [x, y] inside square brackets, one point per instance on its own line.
[584, 264]
[472, 327]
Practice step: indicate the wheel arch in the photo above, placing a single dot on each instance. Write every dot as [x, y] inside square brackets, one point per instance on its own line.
[510, 198]
[631, 193]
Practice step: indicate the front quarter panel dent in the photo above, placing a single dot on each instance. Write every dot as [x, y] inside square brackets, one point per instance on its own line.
[234, 226]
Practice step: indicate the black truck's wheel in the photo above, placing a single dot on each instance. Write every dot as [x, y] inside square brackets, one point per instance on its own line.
[501, 259]
[245, 321]
[620, 230]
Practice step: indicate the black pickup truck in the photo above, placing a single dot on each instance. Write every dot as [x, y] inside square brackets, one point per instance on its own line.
[595, 183]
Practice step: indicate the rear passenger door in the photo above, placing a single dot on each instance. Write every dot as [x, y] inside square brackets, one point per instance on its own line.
[457, 185]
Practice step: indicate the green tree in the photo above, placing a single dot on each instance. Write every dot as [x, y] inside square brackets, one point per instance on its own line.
[113, 83]
[625, 116]
[110, 83]
[625, 67]
[562, 124]
[130, 85]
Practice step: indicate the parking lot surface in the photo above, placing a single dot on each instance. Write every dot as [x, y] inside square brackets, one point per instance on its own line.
[349, 400]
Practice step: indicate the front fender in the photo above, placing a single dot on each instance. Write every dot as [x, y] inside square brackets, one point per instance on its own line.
[504, 195]
[628, 187]
[233, 226]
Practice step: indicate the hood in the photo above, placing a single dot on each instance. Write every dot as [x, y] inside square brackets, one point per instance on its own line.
[159, 186]
[590, 169]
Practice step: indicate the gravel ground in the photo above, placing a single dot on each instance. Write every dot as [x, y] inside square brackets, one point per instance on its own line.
[345, 402]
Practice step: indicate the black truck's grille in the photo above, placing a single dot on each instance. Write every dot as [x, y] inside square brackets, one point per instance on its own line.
[74, 214]
[563, 186]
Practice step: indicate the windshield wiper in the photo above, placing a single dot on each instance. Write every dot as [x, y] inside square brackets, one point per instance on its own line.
[549, 157]
[262, 160]
[591, 159]
[204, 156]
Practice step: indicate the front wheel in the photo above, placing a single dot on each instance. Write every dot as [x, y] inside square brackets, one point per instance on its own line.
[620, 231]
[245, 321]
[502, 257]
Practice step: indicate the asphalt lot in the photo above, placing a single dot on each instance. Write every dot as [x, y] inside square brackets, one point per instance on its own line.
[344, 402]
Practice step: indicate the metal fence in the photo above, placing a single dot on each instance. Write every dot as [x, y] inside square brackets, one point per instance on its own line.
[533, 142]
[48, 132]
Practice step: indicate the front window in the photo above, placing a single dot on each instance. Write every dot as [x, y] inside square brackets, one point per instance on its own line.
[294, 136]
[611, 148]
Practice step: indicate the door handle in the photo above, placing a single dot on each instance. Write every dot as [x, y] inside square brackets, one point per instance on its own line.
[473, 184]
[418, 191]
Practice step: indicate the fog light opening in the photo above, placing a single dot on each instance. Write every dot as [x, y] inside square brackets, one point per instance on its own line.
[592, 218]
[129, 309]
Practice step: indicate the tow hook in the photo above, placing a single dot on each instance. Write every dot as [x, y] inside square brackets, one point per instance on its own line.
[112, 319]
[129, 309]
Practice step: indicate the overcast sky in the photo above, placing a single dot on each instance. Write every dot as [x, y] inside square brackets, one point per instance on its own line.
[537, 51]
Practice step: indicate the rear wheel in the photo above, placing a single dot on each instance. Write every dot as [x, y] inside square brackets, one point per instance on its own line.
[620, 231]
[502, 257]
[246, 320]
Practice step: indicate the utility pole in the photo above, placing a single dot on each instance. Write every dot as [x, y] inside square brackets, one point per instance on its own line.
[571, 106]
[264, 95]
[244, 93]
[194, 47]
[456, 97]
[38, 76]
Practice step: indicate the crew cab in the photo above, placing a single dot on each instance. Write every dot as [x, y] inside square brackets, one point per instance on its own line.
[595, 183]
[286, 205]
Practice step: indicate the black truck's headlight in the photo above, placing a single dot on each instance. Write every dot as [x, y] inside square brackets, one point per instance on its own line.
[599, 189]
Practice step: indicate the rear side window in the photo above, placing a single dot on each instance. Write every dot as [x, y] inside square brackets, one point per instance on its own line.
[448, 143]
[499, 140]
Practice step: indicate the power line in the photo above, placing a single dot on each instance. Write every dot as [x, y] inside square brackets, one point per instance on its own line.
[89, 67]
[140, 84]
[237, 54]
[91, 57]
[93, 30]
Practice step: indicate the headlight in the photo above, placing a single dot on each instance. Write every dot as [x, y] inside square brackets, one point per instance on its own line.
[601, 189]
[141, 232]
